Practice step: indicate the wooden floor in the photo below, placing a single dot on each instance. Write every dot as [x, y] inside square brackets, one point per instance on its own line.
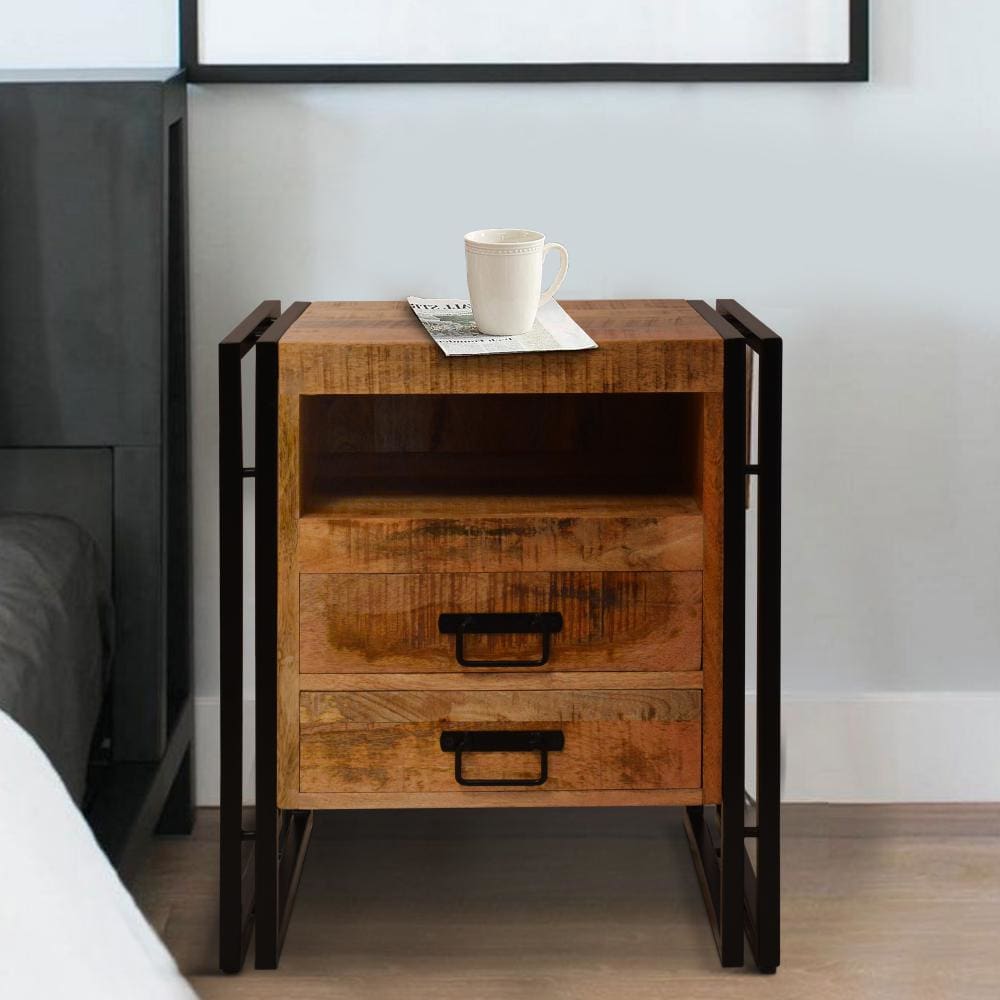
[879, 902]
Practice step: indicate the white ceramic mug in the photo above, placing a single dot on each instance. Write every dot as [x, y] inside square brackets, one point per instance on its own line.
[504, 268]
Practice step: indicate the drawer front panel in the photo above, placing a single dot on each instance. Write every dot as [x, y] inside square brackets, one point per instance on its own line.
[390, 741]
[471, 544]
[360, 623]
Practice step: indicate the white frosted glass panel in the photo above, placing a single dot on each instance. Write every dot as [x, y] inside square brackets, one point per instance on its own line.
[523, 31]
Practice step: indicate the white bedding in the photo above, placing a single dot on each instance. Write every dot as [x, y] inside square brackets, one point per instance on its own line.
[68, 927]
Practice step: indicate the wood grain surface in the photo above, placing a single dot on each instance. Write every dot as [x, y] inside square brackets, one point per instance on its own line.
[496, 535]
[496, 798]
[288, 592]
[553, 471]
[711, 505]
[508, 680]
[380, 347]
[377, 622]
[387, 741]
[323, 710]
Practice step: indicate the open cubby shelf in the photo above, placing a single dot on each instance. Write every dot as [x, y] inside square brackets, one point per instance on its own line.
[371, 456]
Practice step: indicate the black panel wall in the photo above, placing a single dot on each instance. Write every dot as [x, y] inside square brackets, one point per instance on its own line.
[94, 347]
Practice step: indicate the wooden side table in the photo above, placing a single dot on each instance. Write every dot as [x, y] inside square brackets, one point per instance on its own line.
[513, 580]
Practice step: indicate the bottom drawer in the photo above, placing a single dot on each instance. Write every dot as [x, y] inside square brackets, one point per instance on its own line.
[391, 741]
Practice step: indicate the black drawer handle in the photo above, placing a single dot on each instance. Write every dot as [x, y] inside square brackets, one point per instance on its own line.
[502, 741]
[545, 623]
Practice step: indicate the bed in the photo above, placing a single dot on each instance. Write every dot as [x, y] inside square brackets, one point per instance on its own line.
[56, 637]
[74, 538]
[94, 429]
[95, 706]
[69, 928]
[68, 924]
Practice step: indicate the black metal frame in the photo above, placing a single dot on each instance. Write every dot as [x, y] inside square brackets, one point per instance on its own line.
[129, 801]
[741, 898]
[259, 862]
[260, 868]
[855, 70]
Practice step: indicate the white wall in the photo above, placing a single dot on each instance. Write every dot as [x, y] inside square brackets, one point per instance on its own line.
[84, 33]
[859, 220]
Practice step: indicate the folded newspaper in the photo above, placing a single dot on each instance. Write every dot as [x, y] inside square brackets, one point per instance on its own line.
[451, 326]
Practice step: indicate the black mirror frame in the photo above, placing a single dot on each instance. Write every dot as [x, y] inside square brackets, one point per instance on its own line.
[855, 70]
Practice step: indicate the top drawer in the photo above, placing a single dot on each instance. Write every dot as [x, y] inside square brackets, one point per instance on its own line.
[368, 622]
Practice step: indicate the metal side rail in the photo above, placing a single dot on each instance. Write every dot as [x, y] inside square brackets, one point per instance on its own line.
[742, 897]
[261, 850]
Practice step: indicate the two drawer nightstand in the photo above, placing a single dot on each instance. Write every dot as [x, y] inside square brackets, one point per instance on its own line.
[512, 580]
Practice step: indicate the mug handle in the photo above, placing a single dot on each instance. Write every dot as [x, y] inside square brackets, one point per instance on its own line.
[561, 276]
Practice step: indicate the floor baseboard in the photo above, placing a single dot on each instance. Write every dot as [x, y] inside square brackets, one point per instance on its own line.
[935, 746]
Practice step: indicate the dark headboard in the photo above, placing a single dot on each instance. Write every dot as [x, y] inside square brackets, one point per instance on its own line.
[93, 354]
[69, 482]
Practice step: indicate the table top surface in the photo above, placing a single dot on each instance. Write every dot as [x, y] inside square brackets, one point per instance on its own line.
[608, 321]
[158, 74]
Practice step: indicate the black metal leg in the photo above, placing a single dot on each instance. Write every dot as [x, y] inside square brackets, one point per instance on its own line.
[178, 810]
[260, 859]
[763, 885]
[297, 827]
[733, 650]
[739, 896]
[703, 840]
[281, 839]
[236, 871]
[266, 916]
